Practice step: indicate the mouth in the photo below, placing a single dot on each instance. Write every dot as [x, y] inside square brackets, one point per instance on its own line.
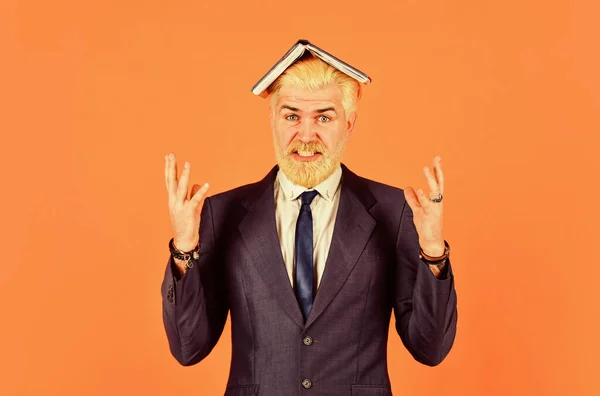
[305, 155]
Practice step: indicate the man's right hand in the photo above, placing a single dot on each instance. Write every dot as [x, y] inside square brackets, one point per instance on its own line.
[184, 209]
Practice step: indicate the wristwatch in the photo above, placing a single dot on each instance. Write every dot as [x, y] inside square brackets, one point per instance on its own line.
[186, 256]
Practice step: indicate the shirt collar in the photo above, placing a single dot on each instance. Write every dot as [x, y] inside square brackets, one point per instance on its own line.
[327, 188]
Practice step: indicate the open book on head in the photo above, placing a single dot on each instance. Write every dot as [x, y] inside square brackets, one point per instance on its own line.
[297, 51]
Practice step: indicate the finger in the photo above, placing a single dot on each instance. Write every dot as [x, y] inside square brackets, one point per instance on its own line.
[199, 195]
[195, 189]
[411, 198]
[439, 175]
[167, 172]
[171, 174]
[423, 201]
[431, 182]
[182, 187]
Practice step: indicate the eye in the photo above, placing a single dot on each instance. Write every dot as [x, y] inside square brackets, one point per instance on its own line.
[292, 117]
[324, 118]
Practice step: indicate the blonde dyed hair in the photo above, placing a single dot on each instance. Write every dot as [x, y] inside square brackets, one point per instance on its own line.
[312, 73]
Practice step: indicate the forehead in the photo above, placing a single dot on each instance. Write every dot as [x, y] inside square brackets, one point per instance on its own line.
[309, 99]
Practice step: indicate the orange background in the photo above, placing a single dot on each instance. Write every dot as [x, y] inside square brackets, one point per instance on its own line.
[93, 94]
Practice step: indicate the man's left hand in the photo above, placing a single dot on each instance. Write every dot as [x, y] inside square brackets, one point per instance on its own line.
[427, 215]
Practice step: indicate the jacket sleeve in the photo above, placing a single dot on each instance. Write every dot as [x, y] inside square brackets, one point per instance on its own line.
[195, 307]
[425, 306]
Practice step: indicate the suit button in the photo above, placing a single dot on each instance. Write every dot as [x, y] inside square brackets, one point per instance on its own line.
[307, 341]
[306, 384]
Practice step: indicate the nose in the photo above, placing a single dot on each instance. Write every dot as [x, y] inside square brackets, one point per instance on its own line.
[306, 131]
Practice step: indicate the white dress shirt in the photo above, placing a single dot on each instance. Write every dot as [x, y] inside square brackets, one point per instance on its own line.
[324, 210]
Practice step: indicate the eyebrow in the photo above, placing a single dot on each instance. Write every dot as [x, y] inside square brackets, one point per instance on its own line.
[326, 109]
[319, 111]
[289, 108]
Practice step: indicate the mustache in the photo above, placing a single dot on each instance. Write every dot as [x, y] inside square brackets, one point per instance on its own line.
[296, 146]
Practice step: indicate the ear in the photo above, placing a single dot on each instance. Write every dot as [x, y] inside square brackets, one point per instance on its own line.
[350, 124]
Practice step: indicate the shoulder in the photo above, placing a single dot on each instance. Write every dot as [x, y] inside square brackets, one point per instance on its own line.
[240, 195]
[382, 193]
[233, 196]
[384, 202]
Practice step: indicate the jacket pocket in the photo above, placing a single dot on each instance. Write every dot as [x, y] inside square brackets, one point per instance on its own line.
[242, 390]
[371, 390]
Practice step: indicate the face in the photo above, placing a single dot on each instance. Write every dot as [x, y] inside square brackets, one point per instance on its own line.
[310, 130]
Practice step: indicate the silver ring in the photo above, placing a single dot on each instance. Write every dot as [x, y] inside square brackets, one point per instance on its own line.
[437, 199]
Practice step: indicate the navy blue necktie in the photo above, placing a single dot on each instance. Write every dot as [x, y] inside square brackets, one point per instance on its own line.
[304, 254]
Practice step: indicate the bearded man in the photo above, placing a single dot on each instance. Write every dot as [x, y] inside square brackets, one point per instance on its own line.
[310, 261]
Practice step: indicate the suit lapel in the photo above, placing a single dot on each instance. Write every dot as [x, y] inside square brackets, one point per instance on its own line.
[352, 229]
[259, 232]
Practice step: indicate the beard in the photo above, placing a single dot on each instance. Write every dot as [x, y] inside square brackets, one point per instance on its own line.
[309, 173]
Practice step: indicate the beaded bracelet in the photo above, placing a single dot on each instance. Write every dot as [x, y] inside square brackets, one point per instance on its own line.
[186, 256]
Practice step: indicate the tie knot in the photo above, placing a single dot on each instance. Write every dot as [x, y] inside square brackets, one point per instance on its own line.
[308, 196]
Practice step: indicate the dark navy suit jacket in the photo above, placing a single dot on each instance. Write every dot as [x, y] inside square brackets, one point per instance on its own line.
[373, 267]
